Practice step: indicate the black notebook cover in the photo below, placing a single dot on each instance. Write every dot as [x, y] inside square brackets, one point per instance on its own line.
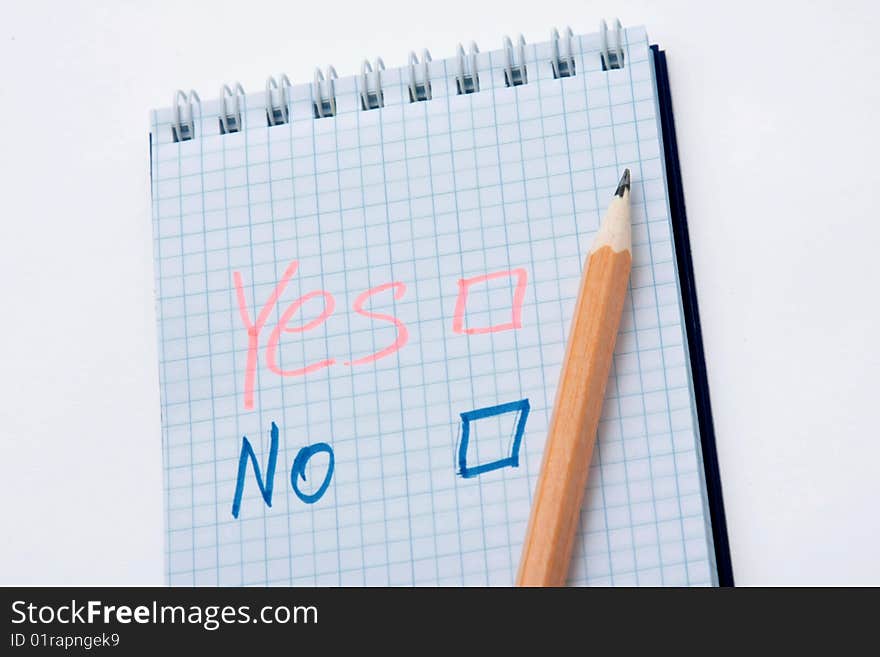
[697, 355]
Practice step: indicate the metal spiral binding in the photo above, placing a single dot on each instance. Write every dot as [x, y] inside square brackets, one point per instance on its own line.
[612, 58]
[467, 81]
[231, 121]
[324, 107]
[515, 72]
[277, 114]
[563, 66]
[180, 130]
[419, 89]
[369, 87]
[372, 98]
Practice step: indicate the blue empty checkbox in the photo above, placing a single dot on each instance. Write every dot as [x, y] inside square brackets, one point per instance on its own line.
[519, 411]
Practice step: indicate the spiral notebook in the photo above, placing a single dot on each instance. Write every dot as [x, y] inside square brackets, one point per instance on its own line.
[364, 286]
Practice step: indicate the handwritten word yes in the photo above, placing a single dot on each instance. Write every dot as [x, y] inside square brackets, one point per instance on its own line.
[514, 278]
[256, 326]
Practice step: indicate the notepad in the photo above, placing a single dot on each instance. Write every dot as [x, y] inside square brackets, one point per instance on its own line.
[364, 286]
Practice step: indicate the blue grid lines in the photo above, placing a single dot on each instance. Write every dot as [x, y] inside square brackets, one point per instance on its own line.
[421, 195]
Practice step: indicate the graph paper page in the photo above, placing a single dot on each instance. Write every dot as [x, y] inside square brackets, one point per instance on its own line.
[362, 319]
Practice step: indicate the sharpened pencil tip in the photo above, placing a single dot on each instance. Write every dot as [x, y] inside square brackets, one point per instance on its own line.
[623, 185]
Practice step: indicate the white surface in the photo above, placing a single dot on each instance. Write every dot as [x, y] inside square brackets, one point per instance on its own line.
[764, 95]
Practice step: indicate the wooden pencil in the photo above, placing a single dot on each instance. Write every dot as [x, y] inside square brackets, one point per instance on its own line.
[557, 503]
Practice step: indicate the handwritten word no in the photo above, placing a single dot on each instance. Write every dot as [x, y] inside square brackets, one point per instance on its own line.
[255, 327]
[297, 471]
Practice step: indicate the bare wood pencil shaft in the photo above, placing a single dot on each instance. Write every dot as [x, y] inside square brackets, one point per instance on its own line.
[572, 433]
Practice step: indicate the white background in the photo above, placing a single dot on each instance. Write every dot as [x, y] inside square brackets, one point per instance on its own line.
[777, 116]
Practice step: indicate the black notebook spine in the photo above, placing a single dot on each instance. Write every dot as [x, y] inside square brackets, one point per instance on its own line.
[697, 354]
